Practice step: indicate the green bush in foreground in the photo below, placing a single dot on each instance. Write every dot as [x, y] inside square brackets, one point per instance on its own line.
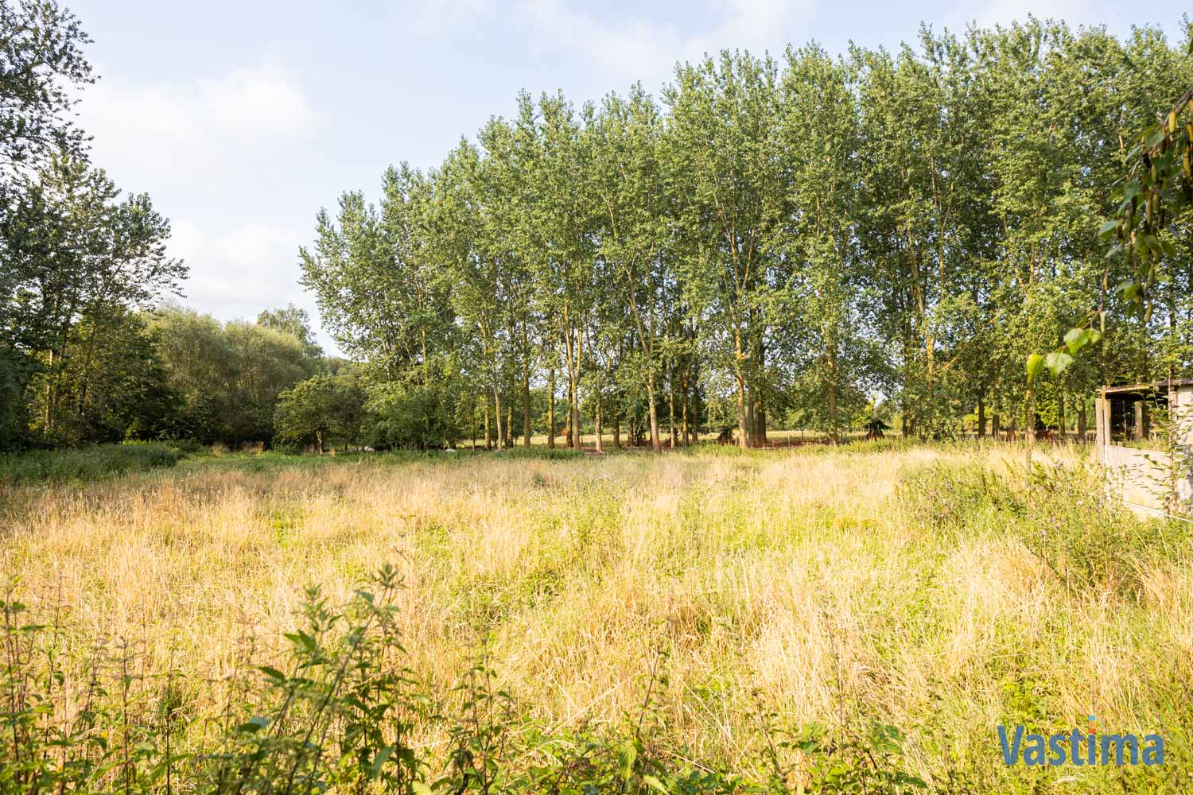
[86, 463]
[343, 713]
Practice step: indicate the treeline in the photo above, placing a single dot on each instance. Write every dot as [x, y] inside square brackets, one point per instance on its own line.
[808, 242]
[775, 242]
[76, 258]
[88, 352]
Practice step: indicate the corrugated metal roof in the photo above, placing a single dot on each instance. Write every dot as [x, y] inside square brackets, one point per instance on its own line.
[1152, 387]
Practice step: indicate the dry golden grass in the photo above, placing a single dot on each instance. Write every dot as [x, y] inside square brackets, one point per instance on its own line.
[792, 582]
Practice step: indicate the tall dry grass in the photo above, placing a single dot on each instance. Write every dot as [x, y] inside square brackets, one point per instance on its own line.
[796, 587]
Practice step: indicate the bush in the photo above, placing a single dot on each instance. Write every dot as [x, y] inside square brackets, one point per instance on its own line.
[85, 463]
[541, 453]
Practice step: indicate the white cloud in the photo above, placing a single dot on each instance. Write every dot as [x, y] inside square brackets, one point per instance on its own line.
[431, 17]
[637, 48]
[238, 272]
[1004, 12]
[146, 133]
[213, 152]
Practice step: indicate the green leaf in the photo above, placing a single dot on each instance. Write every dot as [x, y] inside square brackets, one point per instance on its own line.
[1107, 228]
[420, 788]
[1057, 362]
[254, 725]
[1076, 339]
[1035, 363]
[1095, 336]
[628, 754]
[379, 761]
[272, 673]
[654, 783]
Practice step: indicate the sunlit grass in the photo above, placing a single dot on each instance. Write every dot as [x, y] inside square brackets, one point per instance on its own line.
[801, 584]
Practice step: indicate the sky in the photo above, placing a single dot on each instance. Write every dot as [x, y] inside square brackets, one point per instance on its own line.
[241, 119]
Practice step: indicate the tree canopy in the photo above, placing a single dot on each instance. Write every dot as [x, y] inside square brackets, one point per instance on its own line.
[792, 240]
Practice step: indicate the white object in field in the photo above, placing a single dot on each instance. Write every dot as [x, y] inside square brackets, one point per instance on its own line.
[1145, 478]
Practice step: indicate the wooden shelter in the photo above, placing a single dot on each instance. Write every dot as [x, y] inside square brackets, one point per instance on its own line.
[1149, 471]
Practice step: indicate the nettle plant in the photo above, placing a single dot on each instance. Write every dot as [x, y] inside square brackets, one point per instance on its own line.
[345, 714]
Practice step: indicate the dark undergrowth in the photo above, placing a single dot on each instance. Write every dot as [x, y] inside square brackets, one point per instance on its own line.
[84, 463]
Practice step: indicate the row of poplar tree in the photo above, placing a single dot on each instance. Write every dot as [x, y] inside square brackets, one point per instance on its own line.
[767, 243]
[775, 241]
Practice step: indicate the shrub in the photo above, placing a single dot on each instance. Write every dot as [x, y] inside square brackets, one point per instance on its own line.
[541, 453]
[85, 463]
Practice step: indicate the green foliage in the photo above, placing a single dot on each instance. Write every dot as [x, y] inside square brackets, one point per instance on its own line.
[951, 498]
[85, 463]
[411, 416]
[1061, 514]
[319, 409]
[778, 239]
[542, 454]
[227, 376]
[44, 64]
[295, 322]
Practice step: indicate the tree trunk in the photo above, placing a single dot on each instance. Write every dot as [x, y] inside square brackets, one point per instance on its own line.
[497, 415]
[684, 413]
[743, 442]
[568, 418]
[46, 421]
[1060, 415]
[551, 408]
[526, 408]
[1081, 421]
[319, 441]
[832, 412]
[596, 421]
[671, 410]
[488, 437]
[87, 359]
[577, 442]
[994, 427]
[759, 429]
[981, 417]
[576, 391]
[509, 426]
[750, 415]
[656, 443]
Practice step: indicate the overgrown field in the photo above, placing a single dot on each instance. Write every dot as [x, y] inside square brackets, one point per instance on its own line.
[854, 621]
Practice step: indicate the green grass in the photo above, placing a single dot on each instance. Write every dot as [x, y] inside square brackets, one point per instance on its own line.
[85, 463]
[857, 619]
